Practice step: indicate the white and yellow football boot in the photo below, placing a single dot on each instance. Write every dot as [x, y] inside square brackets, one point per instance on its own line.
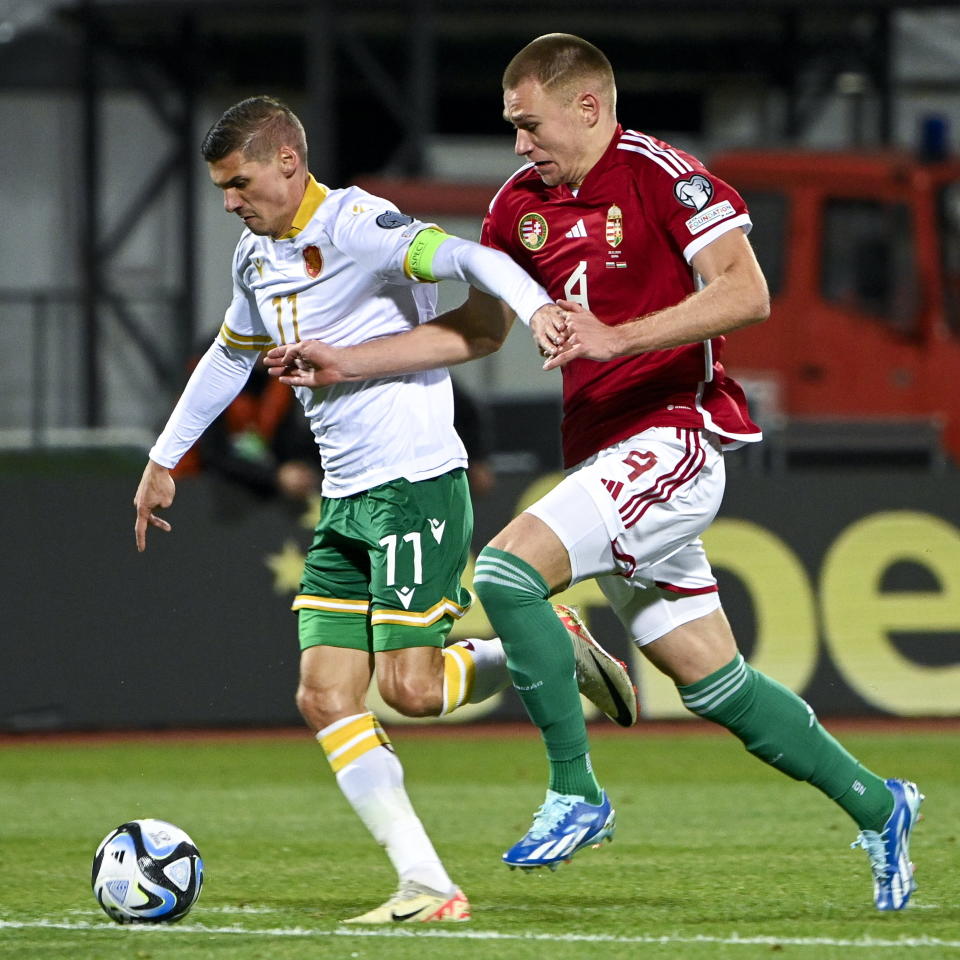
[419, 904]
[603, 679]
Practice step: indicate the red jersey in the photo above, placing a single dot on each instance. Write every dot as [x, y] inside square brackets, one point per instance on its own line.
[622, 247]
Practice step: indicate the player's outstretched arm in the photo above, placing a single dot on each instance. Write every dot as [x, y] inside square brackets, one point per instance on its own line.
[735, 295]
[477, 328]
[216, 380]
[156, 491]
[499, 288]
[474, 329]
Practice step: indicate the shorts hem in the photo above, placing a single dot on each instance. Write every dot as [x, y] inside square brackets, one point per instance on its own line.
[685, 591]
[684, 609]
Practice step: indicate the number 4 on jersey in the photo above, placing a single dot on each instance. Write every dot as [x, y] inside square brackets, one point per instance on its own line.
[575, 288]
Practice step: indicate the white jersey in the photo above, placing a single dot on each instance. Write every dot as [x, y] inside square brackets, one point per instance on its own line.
[339, 276]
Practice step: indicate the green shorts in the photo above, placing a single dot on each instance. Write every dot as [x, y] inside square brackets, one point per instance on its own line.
[383, 571]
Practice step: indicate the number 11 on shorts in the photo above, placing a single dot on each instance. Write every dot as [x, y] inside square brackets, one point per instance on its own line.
[390, 542]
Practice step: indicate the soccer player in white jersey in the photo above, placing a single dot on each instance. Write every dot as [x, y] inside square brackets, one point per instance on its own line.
[381, 583]
[617, 222]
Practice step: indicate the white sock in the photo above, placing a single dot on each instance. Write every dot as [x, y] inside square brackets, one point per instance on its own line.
[371, 778]
[473, 670]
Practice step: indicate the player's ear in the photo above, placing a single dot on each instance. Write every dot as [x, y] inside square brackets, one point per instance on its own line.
[288, 161]
[589, 107]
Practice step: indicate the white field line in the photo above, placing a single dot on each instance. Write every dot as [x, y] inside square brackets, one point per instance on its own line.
[432, 933]
[247, 909]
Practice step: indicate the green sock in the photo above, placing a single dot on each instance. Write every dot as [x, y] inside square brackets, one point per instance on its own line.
[575, 776]
[781, 729]
[541, 664]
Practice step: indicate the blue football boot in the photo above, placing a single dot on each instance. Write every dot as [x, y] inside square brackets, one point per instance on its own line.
[562, 826]
[889, 850]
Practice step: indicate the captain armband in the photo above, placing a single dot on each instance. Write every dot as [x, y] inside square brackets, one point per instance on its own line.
[420, 253]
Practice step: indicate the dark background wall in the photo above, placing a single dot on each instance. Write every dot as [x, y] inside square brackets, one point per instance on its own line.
[843, 584]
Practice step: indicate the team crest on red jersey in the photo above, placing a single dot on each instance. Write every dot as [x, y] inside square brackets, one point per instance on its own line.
[614, 226]
[312, 261]
[533, 231]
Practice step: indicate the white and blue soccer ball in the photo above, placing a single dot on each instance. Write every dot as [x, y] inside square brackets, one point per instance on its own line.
[147, 871]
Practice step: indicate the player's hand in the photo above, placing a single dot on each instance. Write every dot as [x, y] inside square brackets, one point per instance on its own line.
[307, 363]
[548, 328]
[585, 336]
[156, 491]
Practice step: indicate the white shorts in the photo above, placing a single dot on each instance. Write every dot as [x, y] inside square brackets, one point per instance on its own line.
[632, 515]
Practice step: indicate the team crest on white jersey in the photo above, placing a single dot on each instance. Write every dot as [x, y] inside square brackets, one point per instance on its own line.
[695, 192]
[312, 261]
[614, 226]
[533, 231]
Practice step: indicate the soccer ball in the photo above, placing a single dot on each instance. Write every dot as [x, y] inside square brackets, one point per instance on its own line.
[147, 871]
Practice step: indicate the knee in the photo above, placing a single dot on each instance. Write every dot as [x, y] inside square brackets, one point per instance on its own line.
[503, 580]
[311, 707]
[321, 707]
[495, 591]
[485, 592]
[411, 696]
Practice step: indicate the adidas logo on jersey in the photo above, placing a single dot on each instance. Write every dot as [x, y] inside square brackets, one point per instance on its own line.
[577, 230]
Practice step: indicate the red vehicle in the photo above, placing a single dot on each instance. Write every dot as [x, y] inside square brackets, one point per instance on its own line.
[862, 254]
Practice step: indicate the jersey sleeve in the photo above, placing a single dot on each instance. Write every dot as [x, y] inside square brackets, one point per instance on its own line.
[214, 384]
[693, 206]
[488, 234]
[374, 234]
[221, 372]
[242, 327]
[492, 233]
[497, 228]
[486, 269]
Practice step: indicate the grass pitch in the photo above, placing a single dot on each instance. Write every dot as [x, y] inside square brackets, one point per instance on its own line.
[715, 856]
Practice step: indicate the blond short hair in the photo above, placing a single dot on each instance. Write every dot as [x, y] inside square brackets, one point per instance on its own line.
[562, 63]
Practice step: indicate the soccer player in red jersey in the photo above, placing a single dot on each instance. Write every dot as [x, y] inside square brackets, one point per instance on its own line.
[647, 253]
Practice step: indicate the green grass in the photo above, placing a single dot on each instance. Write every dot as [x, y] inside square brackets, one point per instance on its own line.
[710, 844]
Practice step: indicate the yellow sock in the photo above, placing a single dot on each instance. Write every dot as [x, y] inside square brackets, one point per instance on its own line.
[459, 672]
[350, 738]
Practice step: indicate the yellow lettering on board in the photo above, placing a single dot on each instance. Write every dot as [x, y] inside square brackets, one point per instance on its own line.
[784, 608]
[859, 616]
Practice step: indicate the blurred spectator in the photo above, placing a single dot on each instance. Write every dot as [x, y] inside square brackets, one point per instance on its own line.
[471, 420]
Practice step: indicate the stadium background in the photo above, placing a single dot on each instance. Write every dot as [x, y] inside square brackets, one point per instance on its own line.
[841, 572]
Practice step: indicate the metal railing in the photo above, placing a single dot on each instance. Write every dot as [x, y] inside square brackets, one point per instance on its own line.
[49, 385]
